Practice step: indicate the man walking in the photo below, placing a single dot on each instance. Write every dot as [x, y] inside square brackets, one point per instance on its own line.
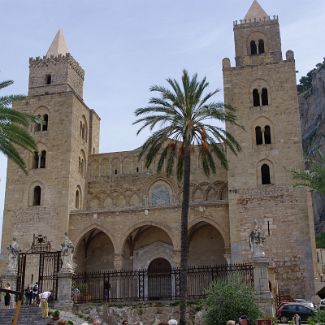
[44, 297]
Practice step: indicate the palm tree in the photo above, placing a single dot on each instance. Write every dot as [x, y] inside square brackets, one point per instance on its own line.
[181, 118]
[13, 130]
[314, 178]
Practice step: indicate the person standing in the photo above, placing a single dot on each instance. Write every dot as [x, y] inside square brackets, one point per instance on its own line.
[7, 296]
[296, 319]
[35, 293]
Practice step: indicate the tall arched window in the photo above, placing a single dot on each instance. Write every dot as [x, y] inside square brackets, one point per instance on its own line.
[261, 48]
[267, 135]
[265, 172]
[258, 135]
[43, 159]
[35, 160]
[45, 122]
[265, 98]
[38, 126]
[253, 48]
[256, 98]
[77, 203]
[37, 195]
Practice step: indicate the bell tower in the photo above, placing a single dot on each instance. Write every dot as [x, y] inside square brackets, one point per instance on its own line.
[262, 88]
[40, 202]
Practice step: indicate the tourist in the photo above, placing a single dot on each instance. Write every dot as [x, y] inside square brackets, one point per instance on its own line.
[231, 322]
[296, 319]
[125, 322]
[7, 296]
[28, 296]
[172, 322]
[35, 293]
[44, 297]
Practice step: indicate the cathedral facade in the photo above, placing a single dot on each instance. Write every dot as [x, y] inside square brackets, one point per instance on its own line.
[121, 215]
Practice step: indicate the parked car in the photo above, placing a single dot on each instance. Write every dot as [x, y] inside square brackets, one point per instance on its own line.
[286, 311]
[305, 302]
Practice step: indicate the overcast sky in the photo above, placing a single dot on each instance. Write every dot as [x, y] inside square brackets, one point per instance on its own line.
[126, 46]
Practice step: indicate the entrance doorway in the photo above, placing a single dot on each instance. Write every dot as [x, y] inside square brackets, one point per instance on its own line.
[159, 279]
[39, 264]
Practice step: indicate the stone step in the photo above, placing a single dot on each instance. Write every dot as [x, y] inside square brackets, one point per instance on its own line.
[29, 315]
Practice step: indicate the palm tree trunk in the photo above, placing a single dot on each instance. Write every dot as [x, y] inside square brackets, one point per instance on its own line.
[184, 234]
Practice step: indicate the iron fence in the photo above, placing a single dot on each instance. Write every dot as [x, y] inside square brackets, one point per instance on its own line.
[142, 285]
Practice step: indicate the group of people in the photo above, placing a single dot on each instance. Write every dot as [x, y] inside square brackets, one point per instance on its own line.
[31, 294]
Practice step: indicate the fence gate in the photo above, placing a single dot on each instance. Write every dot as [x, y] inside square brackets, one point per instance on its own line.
[39, 264]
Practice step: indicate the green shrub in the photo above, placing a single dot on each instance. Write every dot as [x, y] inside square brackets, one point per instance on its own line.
[318, 318]
[228, 300]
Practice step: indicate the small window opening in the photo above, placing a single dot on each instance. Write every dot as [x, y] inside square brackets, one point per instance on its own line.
[137, 169]
[253, 48]
[266, 178]
[45, 122]
[43, 159]
[265, 99]
[115, 171]
[261, 48]
[267, 135]
[256, 98]
[48, 79]
[37, 195]
[77, 205]
[268, 228]
[258, 135]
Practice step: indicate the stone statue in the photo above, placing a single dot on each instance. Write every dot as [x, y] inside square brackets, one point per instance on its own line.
[13, 255]
[67, 254]
[256, 241]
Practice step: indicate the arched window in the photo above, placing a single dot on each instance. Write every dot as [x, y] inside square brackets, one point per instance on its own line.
[267, 135]
[37, 195]
[258, 135]
[253, 48]
[261, 48]
[38, 126]
[266, 177]
[77, 203]
[43, 159]
[35, 160]
[45, 122]
[265, 98]
[256, 98]
[160, 196]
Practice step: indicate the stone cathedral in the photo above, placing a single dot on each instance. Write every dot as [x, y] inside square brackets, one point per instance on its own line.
[121, 215]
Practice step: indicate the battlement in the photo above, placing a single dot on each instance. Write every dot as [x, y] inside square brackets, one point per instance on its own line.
[267, 19]
[40, 62]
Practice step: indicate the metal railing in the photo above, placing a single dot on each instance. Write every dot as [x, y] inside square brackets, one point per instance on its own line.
[141, 285]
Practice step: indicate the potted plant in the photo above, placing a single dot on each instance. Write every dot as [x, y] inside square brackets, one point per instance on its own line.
[55, 315]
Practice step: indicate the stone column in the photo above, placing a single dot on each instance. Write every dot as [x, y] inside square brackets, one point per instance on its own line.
[64, 290]
[261, 284]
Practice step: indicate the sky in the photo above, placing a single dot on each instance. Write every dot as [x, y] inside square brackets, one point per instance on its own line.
[126, 46]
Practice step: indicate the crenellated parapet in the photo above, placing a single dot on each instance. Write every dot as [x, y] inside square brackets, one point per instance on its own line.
[266, 19]
[40, 62]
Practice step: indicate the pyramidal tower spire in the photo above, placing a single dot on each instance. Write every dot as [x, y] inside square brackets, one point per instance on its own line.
[58, 46]
[255, 11]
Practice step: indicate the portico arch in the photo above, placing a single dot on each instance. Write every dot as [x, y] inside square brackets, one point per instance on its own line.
[206, 244]
[94, 251]
[146, 243]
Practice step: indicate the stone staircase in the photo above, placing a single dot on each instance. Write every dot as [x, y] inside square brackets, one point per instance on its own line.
[29, 315]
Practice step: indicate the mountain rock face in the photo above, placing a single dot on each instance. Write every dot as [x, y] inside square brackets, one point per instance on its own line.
[312, 115]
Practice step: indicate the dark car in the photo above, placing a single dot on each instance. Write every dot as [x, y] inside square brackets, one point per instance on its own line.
[286, 312]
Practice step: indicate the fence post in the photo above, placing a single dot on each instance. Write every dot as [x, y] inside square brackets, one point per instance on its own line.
[64, 290]
[261, 284]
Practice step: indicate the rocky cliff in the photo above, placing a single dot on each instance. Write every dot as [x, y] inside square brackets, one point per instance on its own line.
[312, 114]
